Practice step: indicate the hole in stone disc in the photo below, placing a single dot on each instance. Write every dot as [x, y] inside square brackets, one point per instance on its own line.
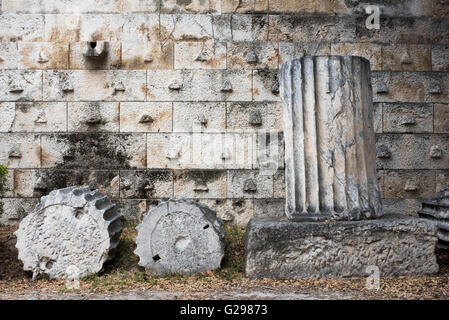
[93, 44]
[49, 265]
[156, 258]
[206, 226]
[79, 212]
[181, 243]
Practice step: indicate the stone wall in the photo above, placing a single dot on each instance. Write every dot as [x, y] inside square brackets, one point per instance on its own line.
[122, 123]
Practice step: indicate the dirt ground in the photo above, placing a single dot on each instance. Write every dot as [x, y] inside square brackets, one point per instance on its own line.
[123, 279]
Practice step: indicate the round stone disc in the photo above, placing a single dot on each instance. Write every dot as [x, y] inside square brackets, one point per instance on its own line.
[180, 236]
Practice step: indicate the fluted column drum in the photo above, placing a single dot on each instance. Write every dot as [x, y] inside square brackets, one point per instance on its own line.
[330, 167]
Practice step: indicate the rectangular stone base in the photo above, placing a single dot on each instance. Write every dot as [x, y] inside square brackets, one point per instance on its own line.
[396, 244]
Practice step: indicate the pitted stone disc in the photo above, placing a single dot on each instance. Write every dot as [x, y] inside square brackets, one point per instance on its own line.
[180, 236]
[71, 233]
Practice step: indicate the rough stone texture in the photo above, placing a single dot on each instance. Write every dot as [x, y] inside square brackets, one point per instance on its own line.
[93, 116]
[226, 55]
[406, 58]
[397, 245]
[200, 55]
[71, 228]
[195, 116]
[147, 55]
[327, 110]
[109, 60]
[180, 236]
[407, 117]
[34, 117]
[370, 51]
[441, 112]
[146, 117]
[436, 210]
[38, 182]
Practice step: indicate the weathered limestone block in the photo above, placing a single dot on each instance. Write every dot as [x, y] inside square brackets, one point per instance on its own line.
[411, 151]
[244, 6]
[192, 6]
[43, 55]
[378, 117]
[98, 85]
[77, 7]
[249, 184]
[266, 208]
[196, 116]
[266, 85]
[441, 118]
[39, 182]
[408, 117]
[295, 50]
[93, 116]
[23, 85]
[200, 184]
[400, 30]
[102, 55]
[93, 151]
[184, 27]
[146, 184]
[62, 28]
[200, 55]
[147, 55]
[9, 56]
[408, 207]
[202, 85]
[440, 58]
[409, 184]
[279, 184]
[240, 27]
[180, 236]
[397, 245]
[37, 117]
[370, 51]
[262, 116]
[146, 117]
[442, 180]
[119, 27]
[436, 210]
[235, 211]
[410, 86]
[406, 57]
[74, 228]
[201, 150]
[25, 27]
[20, 150]
[248, 55]
[303, 28]
[15, 209]
[329, 134]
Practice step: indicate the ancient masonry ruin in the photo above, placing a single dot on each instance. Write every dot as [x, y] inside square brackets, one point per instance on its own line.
[335, 226]
[107, 94]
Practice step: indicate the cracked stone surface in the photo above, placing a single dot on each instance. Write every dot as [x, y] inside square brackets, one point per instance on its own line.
[72, 230]
[397, 245]
[330, 166]
[180, 236]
